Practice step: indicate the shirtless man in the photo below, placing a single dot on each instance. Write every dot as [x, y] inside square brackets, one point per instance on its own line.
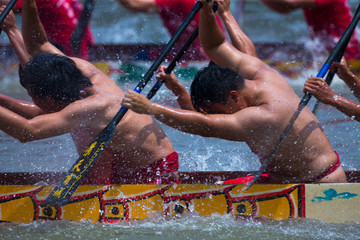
[73, 96]
[243, 99]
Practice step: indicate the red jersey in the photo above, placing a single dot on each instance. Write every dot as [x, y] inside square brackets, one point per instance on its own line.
[331, 18]
[173, 13]
[59, 18]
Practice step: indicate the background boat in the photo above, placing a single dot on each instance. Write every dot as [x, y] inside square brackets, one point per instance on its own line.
[126, 62]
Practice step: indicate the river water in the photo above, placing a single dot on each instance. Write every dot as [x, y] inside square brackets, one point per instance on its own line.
[110, 24]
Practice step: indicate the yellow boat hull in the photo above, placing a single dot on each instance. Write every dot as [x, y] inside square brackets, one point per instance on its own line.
[337, 203]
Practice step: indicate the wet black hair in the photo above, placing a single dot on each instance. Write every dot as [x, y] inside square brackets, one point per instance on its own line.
[212, 84]
[54, 76]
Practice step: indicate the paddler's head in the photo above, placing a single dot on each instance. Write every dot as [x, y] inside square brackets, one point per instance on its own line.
[216, 89]
[53, 79]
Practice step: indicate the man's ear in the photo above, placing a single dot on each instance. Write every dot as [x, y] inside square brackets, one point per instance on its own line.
[234, 96]
[82, 93]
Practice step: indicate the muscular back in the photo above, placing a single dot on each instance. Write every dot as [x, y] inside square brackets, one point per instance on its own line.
[138, 140]
[306, 151]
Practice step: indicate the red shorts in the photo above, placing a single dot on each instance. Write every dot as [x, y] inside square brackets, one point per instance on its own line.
[264, 178]
[331, 170]
[164, 171]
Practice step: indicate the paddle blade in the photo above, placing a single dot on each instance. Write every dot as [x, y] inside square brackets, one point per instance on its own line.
[67, 186]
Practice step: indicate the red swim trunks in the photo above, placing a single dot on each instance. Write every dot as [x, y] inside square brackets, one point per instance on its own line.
[264, 178]
[163, 171]
[331, 170]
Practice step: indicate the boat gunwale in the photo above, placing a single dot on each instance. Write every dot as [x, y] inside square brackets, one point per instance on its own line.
[191, 177]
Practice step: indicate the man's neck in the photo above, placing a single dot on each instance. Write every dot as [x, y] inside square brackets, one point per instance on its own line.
[89, 91]
[251, 94]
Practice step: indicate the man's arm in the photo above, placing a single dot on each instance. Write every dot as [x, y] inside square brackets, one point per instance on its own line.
[36, 41]
[25, 130]
[172, 83]
[25, 109]
[14, 34]
[221, 51]
[33, 31]
[49, 125]
[148, 6]
[322, 91]
[238, 38]
[348, 107]
[286, 6]
[233, 127]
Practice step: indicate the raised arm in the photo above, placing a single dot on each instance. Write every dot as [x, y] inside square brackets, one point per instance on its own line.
[172, 83]
[220, 50]
[33, 32]
[36, 41]
[16, 40]
[238, 38]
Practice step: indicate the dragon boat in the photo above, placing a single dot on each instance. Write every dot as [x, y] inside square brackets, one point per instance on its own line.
[21, 195]
[127, 62]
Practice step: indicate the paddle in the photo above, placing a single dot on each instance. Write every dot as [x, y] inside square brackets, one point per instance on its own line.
[178, 56]
[80, 29]
[328, 80]
[64, 190]
[172, 64]
[6, 12]
[306, 98]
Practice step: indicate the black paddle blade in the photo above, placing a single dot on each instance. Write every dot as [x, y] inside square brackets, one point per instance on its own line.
[67, 186]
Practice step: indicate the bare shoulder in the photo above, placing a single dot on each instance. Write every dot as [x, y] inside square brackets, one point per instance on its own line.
[93, 109]
[243, 124]
[255, 114]
[253, 68]
[87, 68]
[96, 76]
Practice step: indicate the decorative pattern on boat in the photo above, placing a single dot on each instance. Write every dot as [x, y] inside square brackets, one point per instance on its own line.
[113, 204]
[336, 203]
